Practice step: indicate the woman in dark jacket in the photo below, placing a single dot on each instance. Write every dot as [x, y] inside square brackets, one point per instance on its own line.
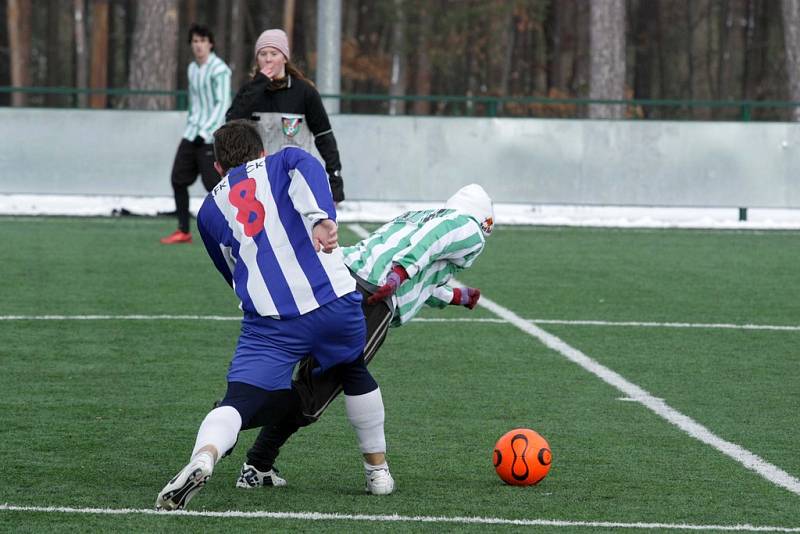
[287, 107]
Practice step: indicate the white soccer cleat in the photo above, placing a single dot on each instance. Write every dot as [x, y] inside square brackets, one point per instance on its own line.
[250, 477]
[379, 482]
[179, 491]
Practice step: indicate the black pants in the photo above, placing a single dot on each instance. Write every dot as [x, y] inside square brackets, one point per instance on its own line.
[317, 391]
[191, 160]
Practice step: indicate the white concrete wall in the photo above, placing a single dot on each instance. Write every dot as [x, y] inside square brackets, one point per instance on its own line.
[539, 161]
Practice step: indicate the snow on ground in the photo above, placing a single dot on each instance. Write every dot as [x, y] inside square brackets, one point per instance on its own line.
[377, 211]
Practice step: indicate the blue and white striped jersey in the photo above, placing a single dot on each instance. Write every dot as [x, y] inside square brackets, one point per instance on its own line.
[256, 225]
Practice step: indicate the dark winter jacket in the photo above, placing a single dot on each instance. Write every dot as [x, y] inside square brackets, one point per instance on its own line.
[274, 104]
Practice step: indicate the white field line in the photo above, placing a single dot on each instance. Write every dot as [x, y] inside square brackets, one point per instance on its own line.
[119, 318]
[791, 328]
[317, 516]
[751, 461]
[490, 320]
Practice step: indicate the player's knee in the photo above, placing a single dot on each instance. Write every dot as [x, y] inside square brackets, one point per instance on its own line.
[356, 379]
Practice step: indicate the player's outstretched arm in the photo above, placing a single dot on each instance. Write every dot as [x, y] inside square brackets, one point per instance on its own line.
[466, 296]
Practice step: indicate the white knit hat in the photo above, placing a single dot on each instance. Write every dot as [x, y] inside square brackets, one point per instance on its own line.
[473, 201]
[274, 38]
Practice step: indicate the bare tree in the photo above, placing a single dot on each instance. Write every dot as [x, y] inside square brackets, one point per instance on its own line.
[81, 56]
[18, 18]
[237, 60]
[191, 11]
[607, 67]
[791, 43]
[646, 59]
[288, 18]
[119, 48]
[539, 53]
[154, 53]
[397, 83]
[221, 28]
[59, 51]
[98, 78]
[555, 16]
[424, 74]
[579, 76]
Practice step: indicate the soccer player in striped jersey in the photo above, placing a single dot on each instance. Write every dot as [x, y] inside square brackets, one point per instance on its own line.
[405, 264]
[270, 229]
[209, 98]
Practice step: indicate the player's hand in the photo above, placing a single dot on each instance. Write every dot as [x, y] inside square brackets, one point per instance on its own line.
[325, 236]
[388, 289]
[466, 296]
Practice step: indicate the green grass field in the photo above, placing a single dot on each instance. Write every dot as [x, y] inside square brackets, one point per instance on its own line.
[101, 412]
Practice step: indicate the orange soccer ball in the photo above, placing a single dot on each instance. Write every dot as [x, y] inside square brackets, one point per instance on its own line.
[522, 457]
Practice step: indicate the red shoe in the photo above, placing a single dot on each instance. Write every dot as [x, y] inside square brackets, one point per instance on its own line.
[177, 237]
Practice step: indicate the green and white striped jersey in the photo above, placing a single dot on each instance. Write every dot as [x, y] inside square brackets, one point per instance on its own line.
[209, 97]
[431, 245]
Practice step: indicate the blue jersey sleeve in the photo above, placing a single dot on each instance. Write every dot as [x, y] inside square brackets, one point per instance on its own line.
[209, 221]
[300, 165]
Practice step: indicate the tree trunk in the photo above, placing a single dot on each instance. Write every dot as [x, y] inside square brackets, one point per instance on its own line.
[59, 49]
[81, 56]
[220, 28]
[424, 75]
[723, 59]
[191, 12]
[580, 69]
[288, 19]
[749, 38]
[99, 68]
[555, 74]
[539, 53]
[504, 84]
[763, 88]
[154, 53]
[646, 57]
[689, 43]
[119, 49]
[791, 44]
[607, 67]
[397, 83]
[18, 14]
[661, 28]
[350, 53]
[237, 60]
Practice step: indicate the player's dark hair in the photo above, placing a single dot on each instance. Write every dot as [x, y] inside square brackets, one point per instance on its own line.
[236, 143]
[201, 30]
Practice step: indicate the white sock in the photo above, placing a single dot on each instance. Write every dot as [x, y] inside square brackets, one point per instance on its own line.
[366, 414]
[219, 429]
[205, 457]
[370, 467]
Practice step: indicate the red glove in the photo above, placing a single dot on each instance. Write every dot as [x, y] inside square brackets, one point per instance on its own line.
[396, 277]
[466, 296]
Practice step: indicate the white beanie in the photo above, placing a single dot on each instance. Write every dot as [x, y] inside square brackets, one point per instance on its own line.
[473, 201]
[275, 39]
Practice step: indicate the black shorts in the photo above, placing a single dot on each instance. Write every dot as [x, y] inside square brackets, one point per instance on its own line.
[317, 390]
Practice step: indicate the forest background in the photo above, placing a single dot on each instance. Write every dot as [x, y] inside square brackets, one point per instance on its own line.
[677, 59]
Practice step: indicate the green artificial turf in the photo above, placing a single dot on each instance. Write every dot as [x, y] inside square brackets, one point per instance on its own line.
[100, 413]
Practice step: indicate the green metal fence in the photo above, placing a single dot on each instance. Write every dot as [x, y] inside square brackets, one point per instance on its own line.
[453, 105]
